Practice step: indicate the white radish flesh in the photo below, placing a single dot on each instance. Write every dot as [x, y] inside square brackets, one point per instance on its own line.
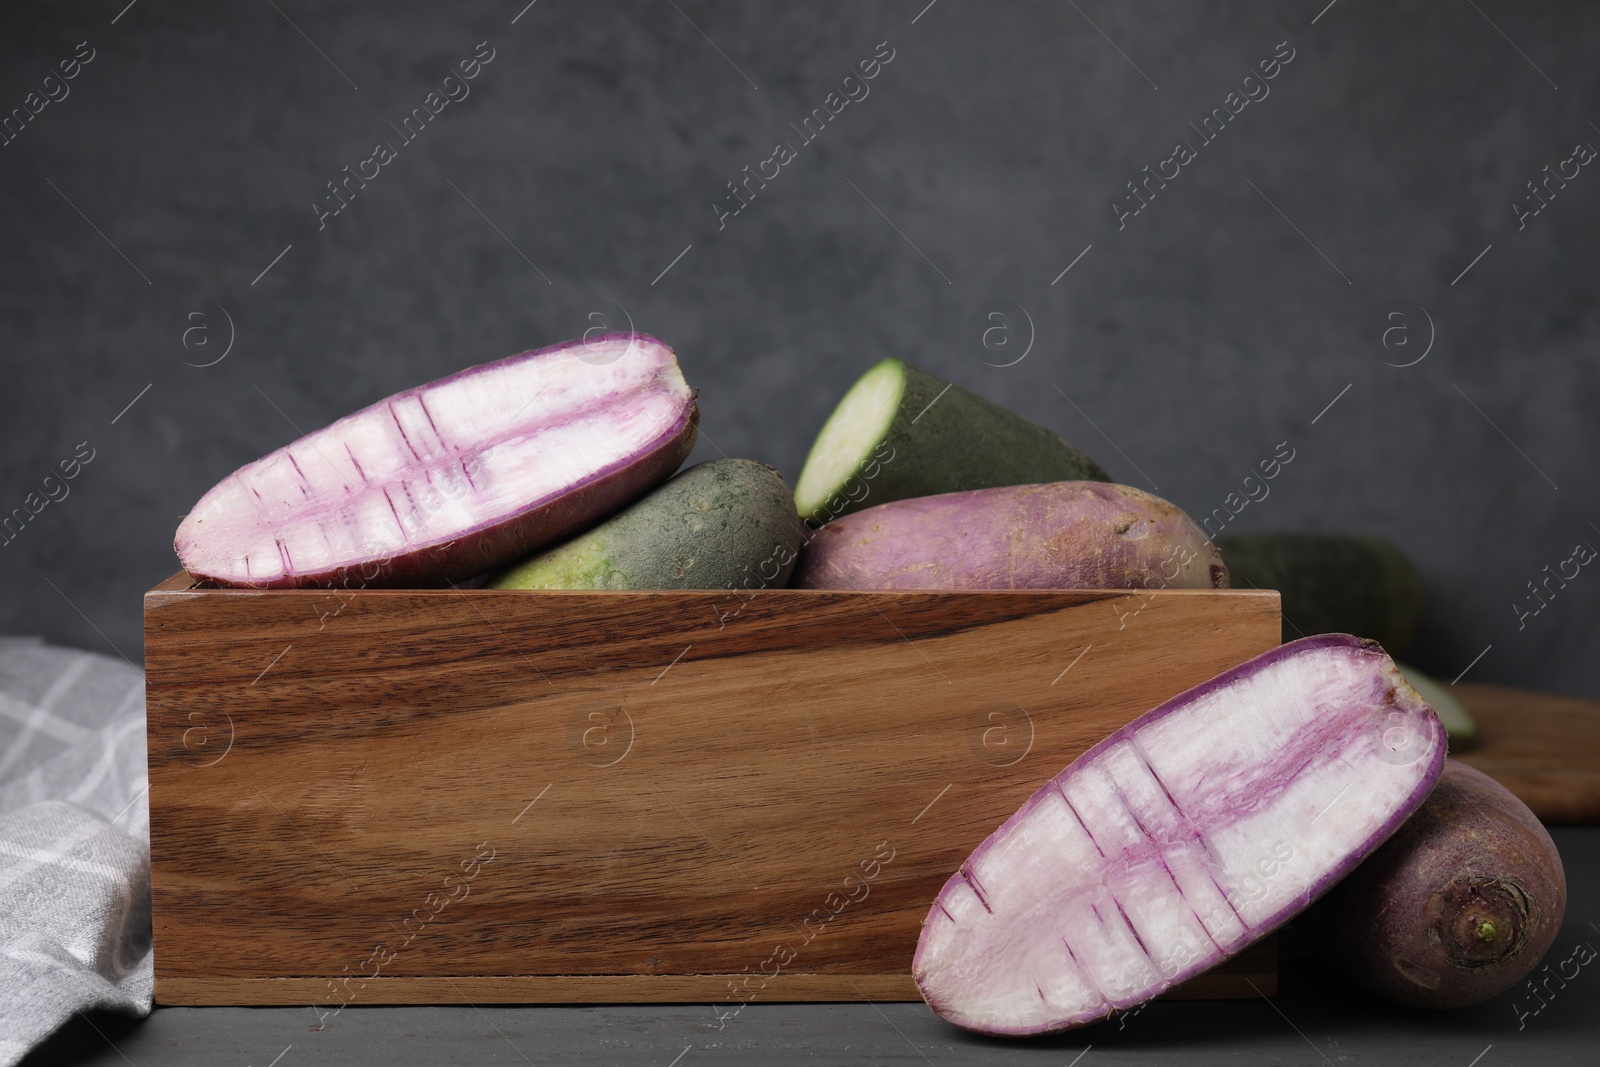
[453, 478]
[1181, 839]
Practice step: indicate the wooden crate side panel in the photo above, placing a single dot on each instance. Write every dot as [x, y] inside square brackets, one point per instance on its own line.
[587, 785]
[1252, 973]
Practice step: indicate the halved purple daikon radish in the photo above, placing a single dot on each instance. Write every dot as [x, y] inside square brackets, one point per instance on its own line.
[1181, 839]
[453, 478]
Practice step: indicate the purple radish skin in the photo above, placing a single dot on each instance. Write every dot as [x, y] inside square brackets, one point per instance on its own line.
[1181, 839]
[1460, 904]
[1055, 535]
[451, 479]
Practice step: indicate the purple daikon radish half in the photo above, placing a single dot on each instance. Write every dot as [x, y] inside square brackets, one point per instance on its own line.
[454, 478]
[1181, 839]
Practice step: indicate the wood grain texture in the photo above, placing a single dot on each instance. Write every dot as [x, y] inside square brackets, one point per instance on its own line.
[497, 785]
[1544, 747]
[1254, 972]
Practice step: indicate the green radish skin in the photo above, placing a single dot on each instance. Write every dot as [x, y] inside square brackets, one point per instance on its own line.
[1063, 535]
[1459, 726]
[729, 523]
[1332, 583]
[900, 432]
[1459, 905]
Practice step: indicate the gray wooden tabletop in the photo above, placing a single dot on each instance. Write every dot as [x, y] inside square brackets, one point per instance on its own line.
[1316, 1019]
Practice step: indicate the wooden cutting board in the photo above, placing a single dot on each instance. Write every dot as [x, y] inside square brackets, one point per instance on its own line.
[1544, 747]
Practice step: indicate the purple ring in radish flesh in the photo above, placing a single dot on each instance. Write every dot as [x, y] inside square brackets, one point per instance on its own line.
[454, 478]
[1181, 839]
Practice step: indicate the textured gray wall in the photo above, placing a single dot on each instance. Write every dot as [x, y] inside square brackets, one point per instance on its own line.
[1219, 321]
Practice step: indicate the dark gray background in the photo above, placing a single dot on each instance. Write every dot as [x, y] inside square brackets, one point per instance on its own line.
[1195, 339]
[983, 162]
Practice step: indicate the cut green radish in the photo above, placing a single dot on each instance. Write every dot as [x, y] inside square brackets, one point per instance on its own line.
[901, 432]
[1181, 839]
[1457, 723]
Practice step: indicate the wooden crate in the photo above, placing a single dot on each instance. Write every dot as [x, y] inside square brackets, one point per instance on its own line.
[443, 796]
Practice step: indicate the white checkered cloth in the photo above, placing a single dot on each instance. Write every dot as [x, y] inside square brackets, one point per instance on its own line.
[74, 841]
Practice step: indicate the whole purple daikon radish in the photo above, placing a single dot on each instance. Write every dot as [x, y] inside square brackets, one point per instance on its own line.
[454, 478]
[1055, 535]
[1181, 839]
